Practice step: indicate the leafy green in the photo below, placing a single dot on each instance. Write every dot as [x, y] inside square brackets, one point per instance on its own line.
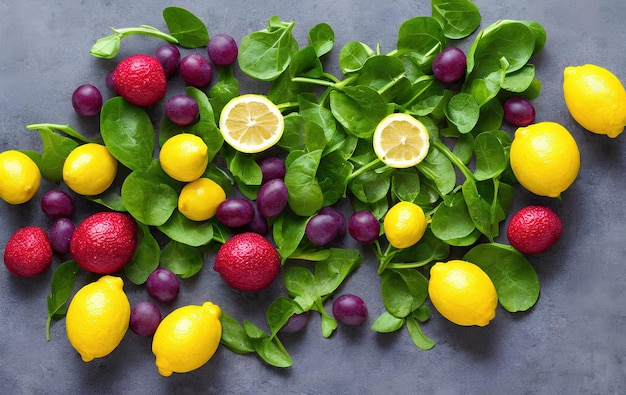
[107, 47]
[62, 286]
[187, 28]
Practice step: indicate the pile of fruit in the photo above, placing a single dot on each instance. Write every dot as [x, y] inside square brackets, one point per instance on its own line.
[411, 139]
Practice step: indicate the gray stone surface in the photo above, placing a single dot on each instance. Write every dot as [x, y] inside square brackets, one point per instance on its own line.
[571, 342]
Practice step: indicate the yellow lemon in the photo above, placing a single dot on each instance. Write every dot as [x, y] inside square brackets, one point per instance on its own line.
[251, 123]
[89, 169]
[19, 177]
[198, 200]
[545, 158]
[404, 224]
[595, 98]
[184, 157]
[401, 141]
[97, 317]
[462, 293]
[187, 338]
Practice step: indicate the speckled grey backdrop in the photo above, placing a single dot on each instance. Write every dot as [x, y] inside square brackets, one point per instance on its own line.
[572, 341]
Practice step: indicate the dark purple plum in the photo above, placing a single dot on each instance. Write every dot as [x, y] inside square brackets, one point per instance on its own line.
[145, 317]
[364, 227]
[195, 70]
[235, 212]
[60, 235]
[182, 109]
[296, 323]
[350, 310]
[272, 168]
[57, 204]
[163, 285]
[87, 100]
[340, 220]
[222, 49]
[321, 229]
[169, 57]
[258, 224]
[518, 111]
[272, 198]
[450, 65]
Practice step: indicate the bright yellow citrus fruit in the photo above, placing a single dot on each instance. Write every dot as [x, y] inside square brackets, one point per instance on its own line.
[251, 123]
[404, 224]
[545, 158]
[184, 157]
[595, 98]
[19, 177]
[198, 200]
[462, 292]
[89, 169]
[401, 141]
[187, 338]
[98, 317]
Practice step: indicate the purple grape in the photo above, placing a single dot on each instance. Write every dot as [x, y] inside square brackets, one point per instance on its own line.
[195, 70]
[182, 109]
[364, 227]
[235, 212]
[145, 317]
[450, 65]
[349, 310]
[321, 229]
[222, 49]
[340, 220]
[169, 57]
[272, 168]
[296, 323]
[163, 285]
[87, 100]
[109, 81]
[272, 198]
[60, 235]
[518, 111]
[57, 204]
[258, 224]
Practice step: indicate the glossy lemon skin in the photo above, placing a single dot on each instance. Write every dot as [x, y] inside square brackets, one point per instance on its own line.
[187, 338]
[405, 224]
[463, 293]
[184, 157]
[198, 200]
[545, 158]
[595, 98]
[20, 177]
[97, 318]
[89, 169]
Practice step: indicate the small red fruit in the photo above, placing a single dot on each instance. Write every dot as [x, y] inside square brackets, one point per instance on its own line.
[28, 252]
[140, 79]
[104, 242]
[534, 229]
[247, 262]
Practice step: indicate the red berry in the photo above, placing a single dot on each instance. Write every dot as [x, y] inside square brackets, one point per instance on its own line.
[247, 262]
[104, 242]
[140, 79]
[28, 252]
[534, 229]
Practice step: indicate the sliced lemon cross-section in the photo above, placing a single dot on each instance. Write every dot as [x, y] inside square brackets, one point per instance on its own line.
[401, 141]
[251, 123]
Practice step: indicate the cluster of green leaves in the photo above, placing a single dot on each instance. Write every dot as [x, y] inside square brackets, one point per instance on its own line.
[464, 184]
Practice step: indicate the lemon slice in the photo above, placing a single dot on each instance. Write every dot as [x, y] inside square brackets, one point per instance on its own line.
[251, 123]
[401, 141]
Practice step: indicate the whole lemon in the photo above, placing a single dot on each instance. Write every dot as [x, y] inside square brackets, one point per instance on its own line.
[184, 157]
[404, 224]
[89, 169]
[20, 177]
[98, 317]
[545, 158]
[595, 98]
[198, 200]
[187, 338]
[462, 292]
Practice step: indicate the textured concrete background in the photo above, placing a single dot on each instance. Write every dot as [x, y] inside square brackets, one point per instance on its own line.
[572, 341]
